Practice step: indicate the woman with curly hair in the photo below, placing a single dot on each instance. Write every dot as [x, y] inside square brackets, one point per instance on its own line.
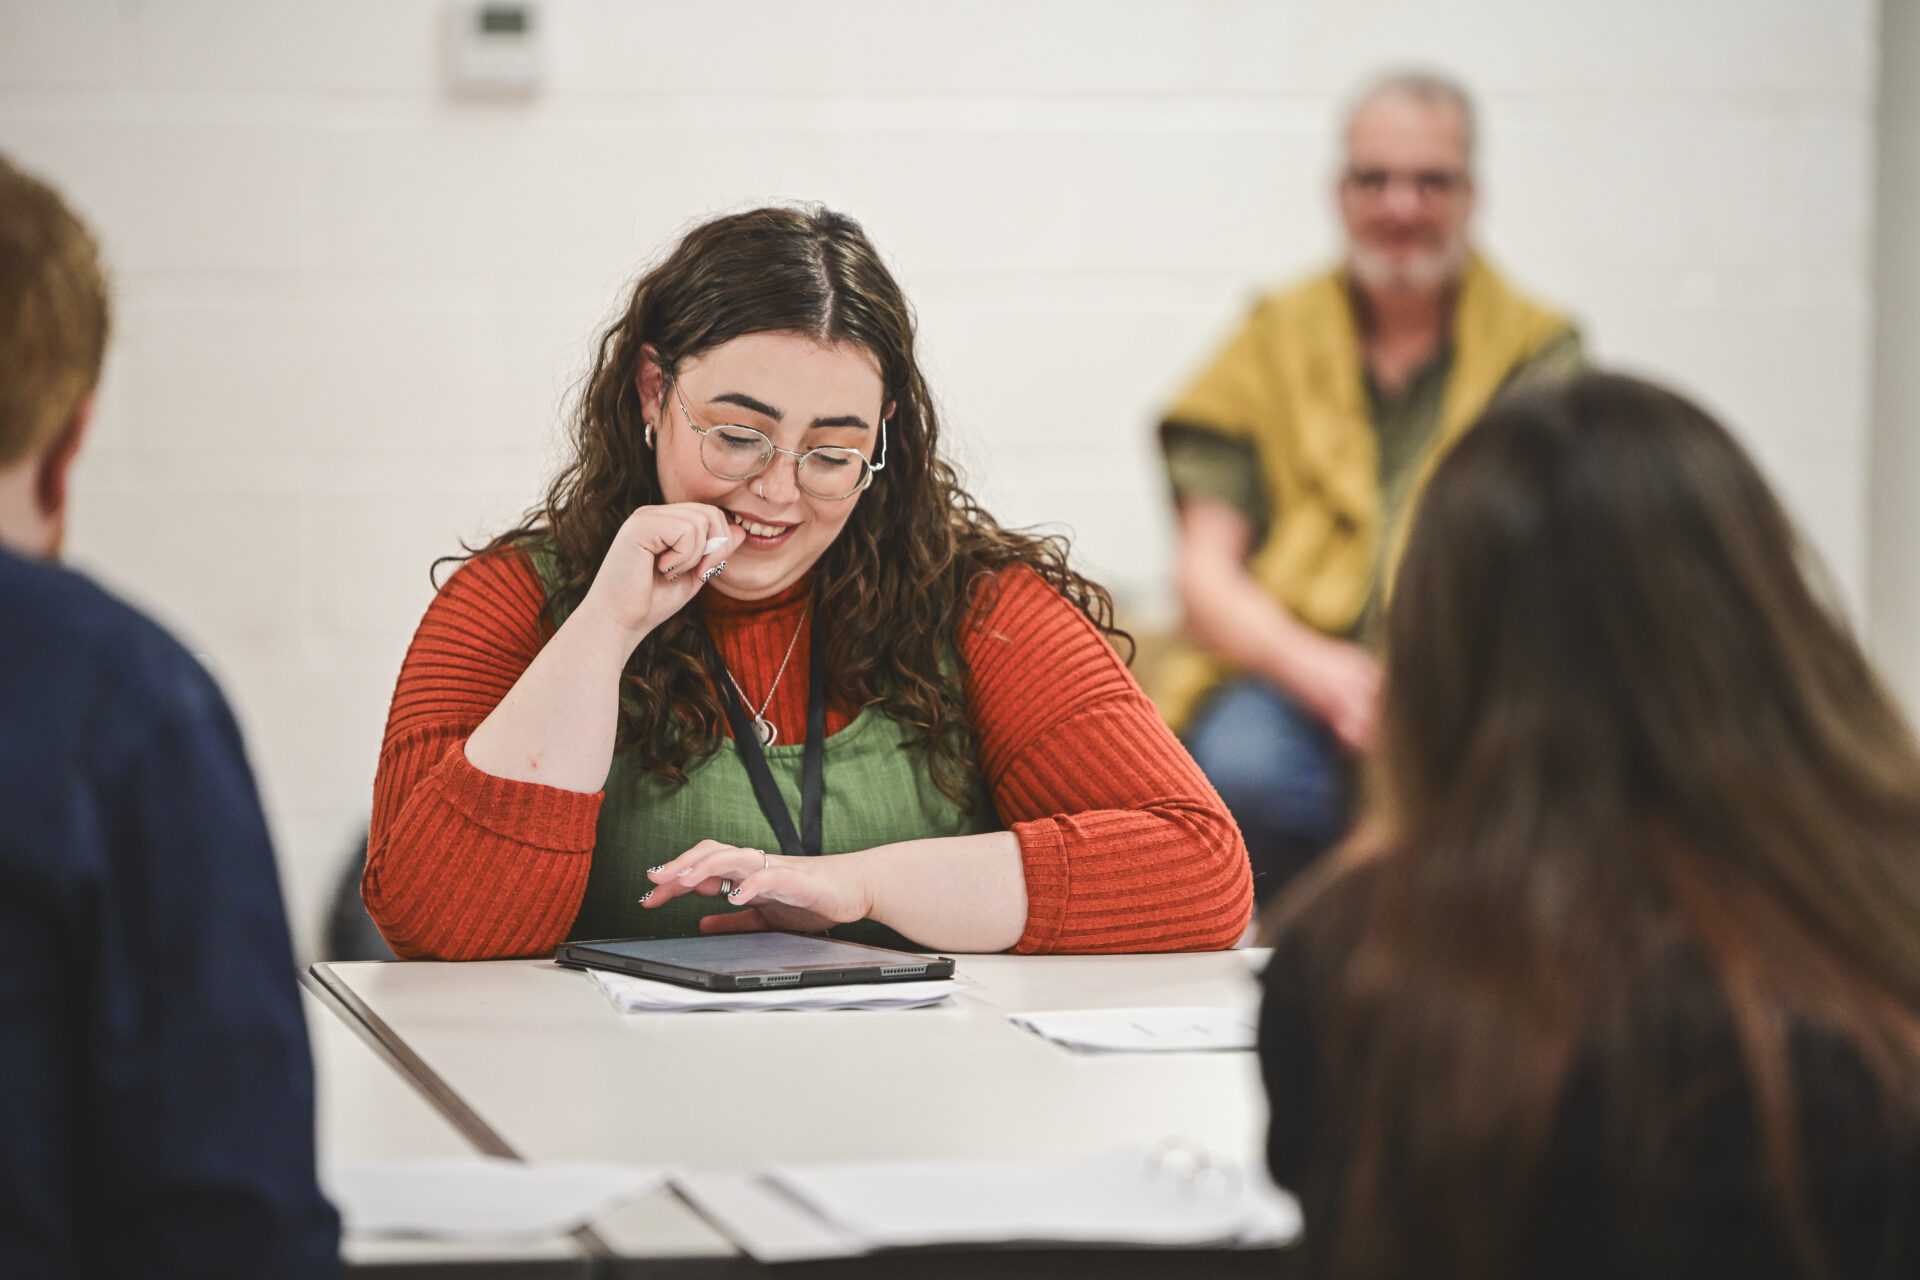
[1622, 975]
[760, 662]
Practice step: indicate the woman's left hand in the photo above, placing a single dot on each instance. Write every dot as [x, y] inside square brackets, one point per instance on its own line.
[805, 895]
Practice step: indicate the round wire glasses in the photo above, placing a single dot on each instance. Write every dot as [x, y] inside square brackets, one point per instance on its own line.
[829, 472]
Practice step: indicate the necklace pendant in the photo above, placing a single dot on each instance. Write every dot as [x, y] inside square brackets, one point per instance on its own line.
[763, 729]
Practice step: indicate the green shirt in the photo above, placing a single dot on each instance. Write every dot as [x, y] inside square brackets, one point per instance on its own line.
[878, 790]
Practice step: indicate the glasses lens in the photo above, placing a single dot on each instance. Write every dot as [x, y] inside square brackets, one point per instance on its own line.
[832, 472]
[735, 453]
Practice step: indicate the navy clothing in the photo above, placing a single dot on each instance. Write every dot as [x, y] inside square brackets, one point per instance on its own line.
[1281, 771]
[156, 1094]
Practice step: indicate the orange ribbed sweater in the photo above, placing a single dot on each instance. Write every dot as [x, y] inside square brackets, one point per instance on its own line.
[1126, 846]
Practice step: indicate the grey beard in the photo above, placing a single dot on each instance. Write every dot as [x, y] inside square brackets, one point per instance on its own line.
[1418, 274]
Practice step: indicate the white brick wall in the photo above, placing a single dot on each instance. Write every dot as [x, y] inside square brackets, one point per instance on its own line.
[350, 306]
[1893, 562]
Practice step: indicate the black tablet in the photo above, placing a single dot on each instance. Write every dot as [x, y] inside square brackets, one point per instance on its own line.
[751, 961]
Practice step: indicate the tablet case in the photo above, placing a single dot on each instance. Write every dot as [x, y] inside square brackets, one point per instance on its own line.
[753, 961]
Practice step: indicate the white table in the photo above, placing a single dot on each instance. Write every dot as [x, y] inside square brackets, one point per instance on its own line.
[366, 1109]
[539, 1064]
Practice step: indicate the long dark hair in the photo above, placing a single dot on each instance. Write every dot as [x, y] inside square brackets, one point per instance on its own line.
[899, 582]
[1627, 753]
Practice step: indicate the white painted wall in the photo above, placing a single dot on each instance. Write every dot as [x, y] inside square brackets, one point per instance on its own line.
[1893, 563]
[350, 306]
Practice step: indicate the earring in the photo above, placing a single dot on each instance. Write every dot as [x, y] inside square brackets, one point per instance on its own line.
[648, 432]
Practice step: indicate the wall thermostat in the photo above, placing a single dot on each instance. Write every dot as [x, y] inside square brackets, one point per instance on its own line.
[495, 46]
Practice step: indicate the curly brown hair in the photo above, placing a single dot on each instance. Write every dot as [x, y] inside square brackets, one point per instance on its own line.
[916, 559]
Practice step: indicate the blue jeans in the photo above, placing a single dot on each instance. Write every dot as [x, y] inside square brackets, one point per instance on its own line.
[1281, 772]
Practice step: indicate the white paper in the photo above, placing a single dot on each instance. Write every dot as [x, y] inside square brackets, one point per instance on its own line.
[479, 1197]
[643, 995]
[1163, 1030]
[1128, 1197]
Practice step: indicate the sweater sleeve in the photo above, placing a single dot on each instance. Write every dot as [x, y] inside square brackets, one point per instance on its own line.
[462, 865]
[1126, 845]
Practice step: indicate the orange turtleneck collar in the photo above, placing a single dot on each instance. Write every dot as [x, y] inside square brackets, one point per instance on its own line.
[724, 610]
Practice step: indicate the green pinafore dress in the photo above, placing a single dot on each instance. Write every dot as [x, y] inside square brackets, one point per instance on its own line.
[878, 791]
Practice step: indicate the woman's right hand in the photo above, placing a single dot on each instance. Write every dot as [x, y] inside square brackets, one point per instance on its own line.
[659, 560]
[558, 724]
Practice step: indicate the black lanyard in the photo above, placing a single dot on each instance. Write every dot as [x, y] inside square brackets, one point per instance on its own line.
[812, 761]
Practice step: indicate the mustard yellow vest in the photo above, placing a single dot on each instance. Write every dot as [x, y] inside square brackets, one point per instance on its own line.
[1291, 383]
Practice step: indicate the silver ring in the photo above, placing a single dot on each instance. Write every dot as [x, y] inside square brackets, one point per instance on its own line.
[765, 861]
[726, 887]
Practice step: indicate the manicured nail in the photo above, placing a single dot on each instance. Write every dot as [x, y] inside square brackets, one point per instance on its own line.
[642, 899]
[716, 543]
[736, 893]
[711, 572]
[661, 867]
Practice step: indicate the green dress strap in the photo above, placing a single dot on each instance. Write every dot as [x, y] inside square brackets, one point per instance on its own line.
[878, 790]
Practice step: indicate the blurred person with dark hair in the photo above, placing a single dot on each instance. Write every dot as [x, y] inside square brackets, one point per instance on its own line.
[157, 1114]
[1294, 454]
[1620, 974]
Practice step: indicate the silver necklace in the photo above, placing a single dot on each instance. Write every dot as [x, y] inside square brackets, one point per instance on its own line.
[763, 727]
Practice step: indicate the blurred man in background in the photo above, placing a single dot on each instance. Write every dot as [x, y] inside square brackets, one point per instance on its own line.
[157, 1112]
[1295, 456]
